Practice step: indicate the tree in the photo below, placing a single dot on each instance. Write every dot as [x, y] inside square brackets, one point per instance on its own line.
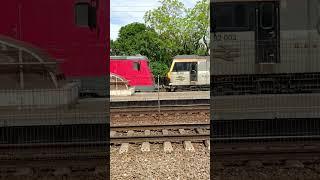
[199, 22]
[136, 38]
[186, 31]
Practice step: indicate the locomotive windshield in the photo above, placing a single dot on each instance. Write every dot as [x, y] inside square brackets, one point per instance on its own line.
[183, 66]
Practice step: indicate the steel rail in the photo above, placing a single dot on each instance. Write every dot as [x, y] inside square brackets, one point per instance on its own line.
[160, 138]
[160, 127]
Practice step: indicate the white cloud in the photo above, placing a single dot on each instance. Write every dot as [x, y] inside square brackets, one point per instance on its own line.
[128, 11]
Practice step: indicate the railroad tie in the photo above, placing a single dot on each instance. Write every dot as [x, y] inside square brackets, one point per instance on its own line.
[113, 133]
[182, 131]
[167, 147]
[199, 131]
[145, 147]
[187, 144]
[207, 143]
[125, 146]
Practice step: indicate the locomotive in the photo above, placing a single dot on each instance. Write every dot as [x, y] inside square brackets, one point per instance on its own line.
[72, 32]
[265, 46]
[189, 72]
[135, 70]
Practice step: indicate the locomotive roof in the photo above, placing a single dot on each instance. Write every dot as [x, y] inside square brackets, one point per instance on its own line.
[191, 57]
[129, 57]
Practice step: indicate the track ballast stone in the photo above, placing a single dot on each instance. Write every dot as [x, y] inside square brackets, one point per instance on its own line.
[158, 165]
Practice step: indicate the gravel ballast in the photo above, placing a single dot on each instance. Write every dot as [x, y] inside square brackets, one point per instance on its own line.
[158, 165]
[181, 119]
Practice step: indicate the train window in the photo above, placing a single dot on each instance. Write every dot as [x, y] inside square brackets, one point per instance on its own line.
[181, 66]
[82, 14]
[232, 17]
[85, 15]
[224, 16]
[267, 15]
[136, 66]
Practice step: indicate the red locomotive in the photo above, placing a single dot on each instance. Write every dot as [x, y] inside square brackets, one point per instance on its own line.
[135, 70]
[73, 31]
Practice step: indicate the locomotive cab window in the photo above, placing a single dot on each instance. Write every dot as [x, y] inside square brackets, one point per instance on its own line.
[180, 66]
[183, 66]
[85, 15]
[136, 66]
[232, 17]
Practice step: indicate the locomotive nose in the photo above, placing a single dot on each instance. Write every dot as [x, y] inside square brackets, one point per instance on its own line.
[168, 76]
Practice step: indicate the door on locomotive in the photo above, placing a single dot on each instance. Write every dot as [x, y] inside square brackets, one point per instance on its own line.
[267, 32]
[193, 72]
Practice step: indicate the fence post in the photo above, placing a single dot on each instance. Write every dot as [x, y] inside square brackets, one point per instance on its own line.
[158, 96]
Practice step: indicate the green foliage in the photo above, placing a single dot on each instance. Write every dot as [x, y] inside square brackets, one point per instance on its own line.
[136, 38]
[159, 68]
[184, 30]
[170, 30]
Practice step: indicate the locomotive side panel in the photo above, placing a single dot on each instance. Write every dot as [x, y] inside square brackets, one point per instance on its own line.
[203, 72]
[299, 42]
[9, 18]
[233, 56]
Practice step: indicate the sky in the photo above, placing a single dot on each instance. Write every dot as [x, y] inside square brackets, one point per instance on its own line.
[124, 12]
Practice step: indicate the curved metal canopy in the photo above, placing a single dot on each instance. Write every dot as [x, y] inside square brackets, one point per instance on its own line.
[24, 66]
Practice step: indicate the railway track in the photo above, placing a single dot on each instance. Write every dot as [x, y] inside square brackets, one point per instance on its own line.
[166, 134]
[155, 103]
